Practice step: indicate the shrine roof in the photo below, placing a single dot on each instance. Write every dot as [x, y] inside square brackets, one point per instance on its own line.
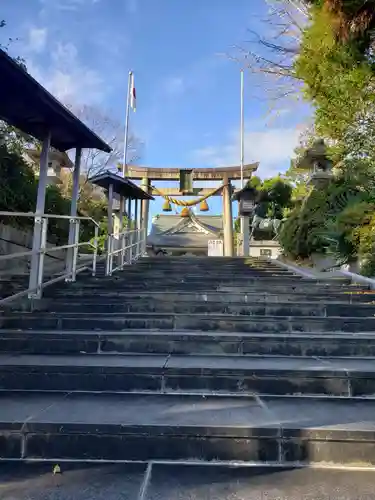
[124, 187]
[184, 232]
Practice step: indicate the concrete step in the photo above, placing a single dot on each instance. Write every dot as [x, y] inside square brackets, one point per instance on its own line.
[176, 288]
[241, 375]
[312, 287]
[184, 481]
[185, 343]
[346, 297]
[205, 267]
[152, 427]
[200, 307]
[203, 322]
[170, 280]
[210, 275]
[205, 264]
[202, 262]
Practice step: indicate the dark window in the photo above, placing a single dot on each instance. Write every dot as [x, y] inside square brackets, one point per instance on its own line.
[265, 252]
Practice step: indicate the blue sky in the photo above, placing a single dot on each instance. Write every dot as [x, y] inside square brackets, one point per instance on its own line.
[188, 99]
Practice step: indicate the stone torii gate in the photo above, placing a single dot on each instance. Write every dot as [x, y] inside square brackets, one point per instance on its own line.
[186, 177]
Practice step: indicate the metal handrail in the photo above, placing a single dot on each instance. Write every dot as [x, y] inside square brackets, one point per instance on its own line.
[48, 216]
[36, 284]
[44, 250]
[46, 284]
[128, 252]
[132, 246]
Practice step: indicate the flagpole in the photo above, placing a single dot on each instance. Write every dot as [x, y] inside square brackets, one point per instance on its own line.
[244, 220]
[242, 129]
[126, 131]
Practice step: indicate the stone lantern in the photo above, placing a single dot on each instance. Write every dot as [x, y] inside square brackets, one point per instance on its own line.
[316, 160]
[246, 198]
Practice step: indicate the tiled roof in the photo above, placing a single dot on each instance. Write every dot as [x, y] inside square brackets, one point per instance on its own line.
[176, 231]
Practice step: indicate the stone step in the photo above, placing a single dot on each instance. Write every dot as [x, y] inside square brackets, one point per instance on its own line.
[206, 267]
[200, 307]
[202, 287]
[208, 264]
[301, 287]
[185, 343]
[218, 296]
[171, 280]
[261, 375]
[162, 265]
[242, 275]
[203, 322]
[202, 268]
[152, 427]
[202, 260]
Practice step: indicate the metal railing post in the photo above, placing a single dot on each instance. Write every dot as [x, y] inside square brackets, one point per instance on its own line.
[136, 244]
[75, 249]
[112, 247]
[36, 272]
[135, 237]
[95, 256]
[131, 234]
[38, 224]
[108, 257]
[144, 240]
[128, 250]
[72, 253]
[123, 244]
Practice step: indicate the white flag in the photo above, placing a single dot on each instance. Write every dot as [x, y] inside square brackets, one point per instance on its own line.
[133, 95]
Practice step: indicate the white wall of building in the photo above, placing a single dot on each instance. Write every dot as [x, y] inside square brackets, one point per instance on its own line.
[263, 248]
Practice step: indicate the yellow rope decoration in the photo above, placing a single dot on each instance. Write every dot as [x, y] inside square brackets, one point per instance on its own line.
[184, 203]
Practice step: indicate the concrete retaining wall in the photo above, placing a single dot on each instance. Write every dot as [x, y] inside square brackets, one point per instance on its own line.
[321, 262]
[13, 240]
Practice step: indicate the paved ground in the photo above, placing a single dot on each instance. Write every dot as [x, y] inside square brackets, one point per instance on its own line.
[36, 482]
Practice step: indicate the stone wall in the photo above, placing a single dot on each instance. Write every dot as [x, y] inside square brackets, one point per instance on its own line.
[323, 262]
[13, 240]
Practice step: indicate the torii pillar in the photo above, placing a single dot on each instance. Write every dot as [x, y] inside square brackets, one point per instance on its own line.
[227, 217]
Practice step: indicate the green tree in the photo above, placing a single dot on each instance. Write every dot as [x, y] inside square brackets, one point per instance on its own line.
[336, 65]
[337, 77]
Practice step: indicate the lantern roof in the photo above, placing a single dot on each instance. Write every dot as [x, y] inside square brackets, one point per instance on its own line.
[248, 193]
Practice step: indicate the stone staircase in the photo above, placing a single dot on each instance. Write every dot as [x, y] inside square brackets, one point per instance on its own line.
[213, 359]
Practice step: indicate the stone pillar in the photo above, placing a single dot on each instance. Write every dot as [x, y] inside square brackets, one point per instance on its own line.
[246, 236]
[146, 186]
[228, 219]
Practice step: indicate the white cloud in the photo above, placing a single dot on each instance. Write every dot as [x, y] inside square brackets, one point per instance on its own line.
[67, 5]
[67, 78]
[37, 39]
[174, 85]
[271, 147]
